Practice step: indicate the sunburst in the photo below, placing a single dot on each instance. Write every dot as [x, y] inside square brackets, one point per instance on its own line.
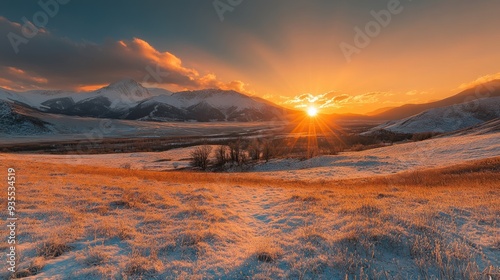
[312, 111]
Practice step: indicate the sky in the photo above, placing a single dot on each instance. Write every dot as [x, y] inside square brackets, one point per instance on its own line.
[341, 56]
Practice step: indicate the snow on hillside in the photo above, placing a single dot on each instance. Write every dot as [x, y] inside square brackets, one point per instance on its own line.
[11, 96]
[13, 122]
[439, 152]
[484, 128]
[447, 119]
[124, 93]
[431, 153]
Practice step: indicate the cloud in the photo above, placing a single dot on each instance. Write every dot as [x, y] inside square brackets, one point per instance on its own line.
[340, 98]
[48, 61]
[306, 99]
[479, 81]
[24, 80]
[335, 100]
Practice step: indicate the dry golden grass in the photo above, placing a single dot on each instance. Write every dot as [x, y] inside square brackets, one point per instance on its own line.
[127, 224]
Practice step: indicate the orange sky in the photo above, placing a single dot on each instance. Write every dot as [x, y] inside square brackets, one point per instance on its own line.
[422, 55]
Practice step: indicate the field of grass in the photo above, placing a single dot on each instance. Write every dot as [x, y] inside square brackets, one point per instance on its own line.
[83, 222]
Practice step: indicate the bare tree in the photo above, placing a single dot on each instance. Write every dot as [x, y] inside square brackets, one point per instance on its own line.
[200, 156]
[237, 151]
[221, 155]
[254, 149]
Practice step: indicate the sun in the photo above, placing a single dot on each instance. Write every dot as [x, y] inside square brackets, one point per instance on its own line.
[312, 111]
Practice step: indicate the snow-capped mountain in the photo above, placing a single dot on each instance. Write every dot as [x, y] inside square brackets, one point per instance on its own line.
[128, 99]
[447, 119]
[210, 105]
[112, 101]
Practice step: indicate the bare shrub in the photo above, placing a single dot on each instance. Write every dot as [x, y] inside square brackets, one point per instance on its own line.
[125, 166]
[140, 266]
[134, 198]
[53, 249]
[200, 156]
[95, 256]
[358, 148]
[34, 268]
[423, 136]
[267, 251]
[221, 155]
[368, 210]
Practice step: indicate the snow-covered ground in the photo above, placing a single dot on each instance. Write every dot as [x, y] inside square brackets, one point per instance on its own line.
[90, 223]
[438, 152]
[431, 153]
[80, 128]
[157, 161]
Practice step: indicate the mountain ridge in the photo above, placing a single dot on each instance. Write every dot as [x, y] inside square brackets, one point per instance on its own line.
[446, 119]
[128, 99]
[488, 89]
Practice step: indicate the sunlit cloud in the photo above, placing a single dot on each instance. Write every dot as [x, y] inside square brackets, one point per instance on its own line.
[479, 81]
[335, 100]
[48, 61]
[17, 79]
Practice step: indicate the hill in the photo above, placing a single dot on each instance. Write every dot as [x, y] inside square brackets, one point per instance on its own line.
[447, 119]
[489, 89]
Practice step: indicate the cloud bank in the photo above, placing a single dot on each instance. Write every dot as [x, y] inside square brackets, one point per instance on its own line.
[335, 100]
[48, 61]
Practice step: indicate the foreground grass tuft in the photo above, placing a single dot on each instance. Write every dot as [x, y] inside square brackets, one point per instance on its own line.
[53, 249]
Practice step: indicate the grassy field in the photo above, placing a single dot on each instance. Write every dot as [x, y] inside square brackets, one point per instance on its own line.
[83, 222]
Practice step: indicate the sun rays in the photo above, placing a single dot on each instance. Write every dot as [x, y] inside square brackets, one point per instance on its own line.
[313, 125]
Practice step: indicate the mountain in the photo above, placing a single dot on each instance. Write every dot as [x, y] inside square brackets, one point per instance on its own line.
[13, 120]
[128, 99]
[379, 111]
[159, 91]
[492, 126]
[207, 105]
[489, 89]
[112, 101]
[447, 119]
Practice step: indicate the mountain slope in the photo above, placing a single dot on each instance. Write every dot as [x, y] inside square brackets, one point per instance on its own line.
[13, 121]
[446, 119]
[489, 89]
